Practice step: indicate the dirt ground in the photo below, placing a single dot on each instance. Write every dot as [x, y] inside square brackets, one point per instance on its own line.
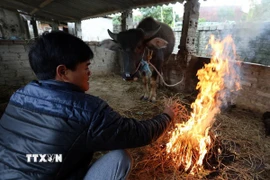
[124, 96]
[242, 131]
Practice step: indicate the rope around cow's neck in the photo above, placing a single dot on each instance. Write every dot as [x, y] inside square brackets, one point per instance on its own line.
[161, 77]
[169, 85]
[139, 65]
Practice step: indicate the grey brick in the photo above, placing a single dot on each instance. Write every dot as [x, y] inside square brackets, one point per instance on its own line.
[3, 48]
[16, 48]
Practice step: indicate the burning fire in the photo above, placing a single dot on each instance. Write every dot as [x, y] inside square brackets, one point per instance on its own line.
[190, 141]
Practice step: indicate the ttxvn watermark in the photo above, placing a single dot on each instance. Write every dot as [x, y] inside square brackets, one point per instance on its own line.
[43, 158]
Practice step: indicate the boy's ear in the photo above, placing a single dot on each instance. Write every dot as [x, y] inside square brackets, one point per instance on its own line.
[61, 71]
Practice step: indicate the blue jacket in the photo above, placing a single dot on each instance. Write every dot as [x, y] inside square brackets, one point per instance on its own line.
[51, 117]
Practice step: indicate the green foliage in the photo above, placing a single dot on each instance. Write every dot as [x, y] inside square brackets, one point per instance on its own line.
[117, 20]
[201, 20]
[160, 13]
[137, 19]
[259, 12]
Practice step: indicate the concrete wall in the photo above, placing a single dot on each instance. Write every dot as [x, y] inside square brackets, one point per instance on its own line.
[15, 68]
[12, 25]
[105, 61]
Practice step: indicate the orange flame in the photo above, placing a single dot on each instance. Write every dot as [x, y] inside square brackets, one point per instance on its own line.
[190, 141]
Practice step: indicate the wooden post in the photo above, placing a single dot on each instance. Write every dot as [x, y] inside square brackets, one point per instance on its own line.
[27, 33]
[34, 25]
[187, 42]
[126, 20]
[189, 28]
[123, 21]
[78, 29]
[54, 26]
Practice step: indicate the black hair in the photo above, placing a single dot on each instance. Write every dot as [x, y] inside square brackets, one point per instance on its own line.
[56, 48]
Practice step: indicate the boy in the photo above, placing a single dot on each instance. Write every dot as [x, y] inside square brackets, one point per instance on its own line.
[53, 117]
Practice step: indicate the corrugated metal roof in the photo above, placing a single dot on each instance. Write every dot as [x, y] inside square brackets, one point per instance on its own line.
[73, 10]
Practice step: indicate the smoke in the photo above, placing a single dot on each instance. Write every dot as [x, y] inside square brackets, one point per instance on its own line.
[252, 41]
[226, 51]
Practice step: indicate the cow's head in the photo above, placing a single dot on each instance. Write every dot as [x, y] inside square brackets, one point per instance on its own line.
[133, 43]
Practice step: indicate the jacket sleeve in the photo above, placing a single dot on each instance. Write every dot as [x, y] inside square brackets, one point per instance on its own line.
[109, 130]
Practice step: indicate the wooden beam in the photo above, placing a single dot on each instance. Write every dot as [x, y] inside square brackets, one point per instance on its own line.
[54, 14]
[45, 3]
[41, 18]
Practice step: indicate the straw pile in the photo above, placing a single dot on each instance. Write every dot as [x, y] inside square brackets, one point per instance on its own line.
[240, 136]
[234, 154]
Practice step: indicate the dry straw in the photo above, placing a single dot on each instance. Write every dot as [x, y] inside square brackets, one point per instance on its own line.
[232, 154]
[239, 132]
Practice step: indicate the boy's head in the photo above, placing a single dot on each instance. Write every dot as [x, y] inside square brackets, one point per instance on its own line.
[58, 55]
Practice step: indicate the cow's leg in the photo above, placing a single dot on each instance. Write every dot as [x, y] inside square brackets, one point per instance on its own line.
[145, 80]
[153, 83]
[157, 61]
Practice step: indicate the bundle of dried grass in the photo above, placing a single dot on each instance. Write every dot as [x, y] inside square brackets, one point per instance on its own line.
[238, 151]
[174, 164]
[245, 151]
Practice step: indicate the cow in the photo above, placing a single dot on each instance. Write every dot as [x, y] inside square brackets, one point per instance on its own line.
[151, 41]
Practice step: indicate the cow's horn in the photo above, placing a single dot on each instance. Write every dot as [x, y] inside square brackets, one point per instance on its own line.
[113, 35]
[149, 34]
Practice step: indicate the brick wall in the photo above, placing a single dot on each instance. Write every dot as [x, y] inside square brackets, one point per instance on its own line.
[15, 68]
[105, 61]
[251, 40]
[255, 92]
[255, 82]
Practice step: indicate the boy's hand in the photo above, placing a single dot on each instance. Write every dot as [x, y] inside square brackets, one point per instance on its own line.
[170, 110]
